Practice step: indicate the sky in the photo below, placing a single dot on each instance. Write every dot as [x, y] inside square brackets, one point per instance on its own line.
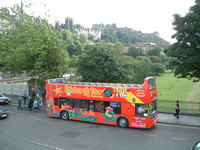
[146, 16]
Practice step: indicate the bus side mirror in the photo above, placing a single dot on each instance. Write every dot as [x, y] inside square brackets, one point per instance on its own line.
[196, 146]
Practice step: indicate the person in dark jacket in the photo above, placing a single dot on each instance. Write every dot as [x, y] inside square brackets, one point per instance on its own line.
[177, 109]
[30, 104]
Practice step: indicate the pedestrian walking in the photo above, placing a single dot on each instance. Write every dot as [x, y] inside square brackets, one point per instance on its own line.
[20, 102]
[177, 110]
[30, 103]
[24, 95]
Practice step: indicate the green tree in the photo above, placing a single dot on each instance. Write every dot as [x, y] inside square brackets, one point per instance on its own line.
[155, 59]
[69, 39]
[77, 26]
[109, 35]
[73, 61]
[165, 59]
[155, 51]
[186, 51]
[123, 37]
[31, 46]
[75, 45]
[134, 51]
[105, 63]
[158, 68]
[142, 69]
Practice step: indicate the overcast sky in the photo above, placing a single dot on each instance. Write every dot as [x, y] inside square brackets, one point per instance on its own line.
[144, 15]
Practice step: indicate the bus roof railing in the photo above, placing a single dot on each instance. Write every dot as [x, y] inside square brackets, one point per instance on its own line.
[61, 81]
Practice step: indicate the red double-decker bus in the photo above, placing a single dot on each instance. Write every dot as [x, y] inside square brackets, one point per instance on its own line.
[123, 105]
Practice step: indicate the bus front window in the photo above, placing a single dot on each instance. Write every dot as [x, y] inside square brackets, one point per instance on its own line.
[141, 110]
[153, 109]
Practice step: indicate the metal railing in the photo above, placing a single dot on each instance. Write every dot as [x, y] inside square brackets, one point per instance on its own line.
[186, 107]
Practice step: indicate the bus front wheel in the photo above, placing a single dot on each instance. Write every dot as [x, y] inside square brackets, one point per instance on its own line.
[122, 122]
[64, 115]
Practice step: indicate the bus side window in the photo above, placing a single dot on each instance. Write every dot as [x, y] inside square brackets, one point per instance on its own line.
[91, 106]
[106, 104]
[56, 101]
[84, 104]
[62, 102]
[99, 107]
[116, 106]
[81, 104]
[76, 103]
[66, 103]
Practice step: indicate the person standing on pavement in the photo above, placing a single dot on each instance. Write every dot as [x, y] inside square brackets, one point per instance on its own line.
[30, 103]
[24, 94]
[20, 102]
[177, 110]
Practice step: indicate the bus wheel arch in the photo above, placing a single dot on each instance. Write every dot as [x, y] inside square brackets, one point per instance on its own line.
[64, 115]
[122, 122]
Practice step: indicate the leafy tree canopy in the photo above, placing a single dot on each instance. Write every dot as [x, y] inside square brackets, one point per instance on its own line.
[158, 68]
[75, 45]
[155, 51]
[155, 59]
[186, 51]
[105, 63]
[134, 51]
[142, 69]
[33, 46]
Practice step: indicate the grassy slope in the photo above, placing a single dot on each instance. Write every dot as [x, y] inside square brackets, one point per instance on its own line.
[171, 88]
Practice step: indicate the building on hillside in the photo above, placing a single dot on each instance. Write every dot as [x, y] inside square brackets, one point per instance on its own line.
[4, 23]
[94, 33]
[125, 29]
[69, 24]
[125, 48]
[154, 34]
[104, 26]
[145, 46]
[100, 26]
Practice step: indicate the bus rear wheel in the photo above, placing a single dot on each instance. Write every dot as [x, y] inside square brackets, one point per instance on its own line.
[64, 115]
[122, 122]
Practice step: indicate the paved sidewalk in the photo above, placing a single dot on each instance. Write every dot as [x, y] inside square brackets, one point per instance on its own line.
[183, 119]
[162, 117]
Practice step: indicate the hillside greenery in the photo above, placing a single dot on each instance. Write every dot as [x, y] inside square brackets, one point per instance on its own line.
[129, 36]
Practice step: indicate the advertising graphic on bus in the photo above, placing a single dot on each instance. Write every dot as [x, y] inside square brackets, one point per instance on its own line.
[123, 105]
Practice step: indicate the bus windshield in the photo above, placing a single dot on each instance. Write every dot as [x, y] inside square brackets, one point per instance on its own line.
[153, 109]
